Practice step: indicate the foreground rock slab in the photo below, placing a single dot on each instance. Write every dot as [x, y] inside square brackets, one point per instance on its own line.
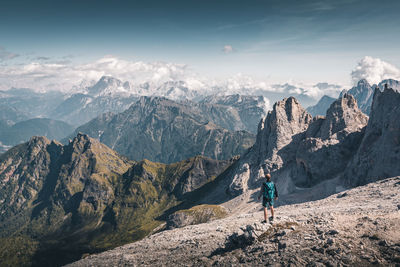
[356, 227]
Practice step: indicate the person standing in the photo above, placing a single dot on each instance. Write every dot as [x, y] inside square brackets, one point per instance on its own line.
[269, 193]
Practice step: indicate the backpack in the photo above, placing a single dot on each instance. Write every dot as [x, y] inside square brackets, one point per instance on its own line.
[269, 190]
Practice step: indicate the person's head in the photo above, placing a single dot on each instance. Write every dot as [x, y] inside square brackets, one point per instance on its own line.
[268, 177]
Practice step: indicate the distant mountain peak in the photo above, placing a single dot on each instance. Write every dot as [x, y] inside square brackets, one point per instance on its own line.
[108, 85]
[363, 82]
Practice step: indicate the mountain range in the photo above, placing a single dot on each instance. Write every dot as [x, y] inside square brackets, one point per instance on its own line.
[363, 93]
[60, 202]
[166, 131]
[110, 94]
[343, 148]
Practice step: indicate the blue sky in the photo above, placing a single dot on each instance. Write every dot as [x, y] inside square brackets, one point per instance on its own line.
[274, 40]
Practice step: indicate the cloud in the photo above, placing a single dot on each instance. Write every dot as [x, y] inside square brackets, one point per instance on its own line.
[62, 75]
[227, 49]
[6, 55]
[374, 70]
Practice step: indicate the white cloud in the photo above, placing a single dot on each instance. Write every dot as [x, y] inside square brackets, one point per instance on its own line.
[374, 70]
[227, 49]
[43, 75]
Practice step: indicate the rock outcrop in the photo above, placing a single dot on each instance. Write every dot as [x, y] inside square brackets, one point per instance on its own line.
[195, 215]
[278, 134]
[378, 155]
[300, 151]
[330, 142]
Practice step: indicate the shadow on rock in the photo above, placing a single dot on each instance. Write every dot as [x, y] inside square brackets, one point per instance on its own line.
[236, 241]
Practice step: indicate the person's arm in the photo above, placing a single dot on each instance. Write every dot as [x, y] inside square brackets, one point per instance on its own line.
[276, 191]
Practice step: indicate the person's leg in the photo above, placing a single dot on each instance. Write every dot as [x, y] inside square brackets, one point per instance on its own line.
[265, 213]
[272, 211]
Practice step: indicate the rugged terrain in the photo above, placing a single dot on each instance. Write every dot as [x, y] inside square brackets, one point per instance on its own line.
[61, 201]
[357, 227]
[249, 109]
[363, 92]
[166, 131]
[302, 151]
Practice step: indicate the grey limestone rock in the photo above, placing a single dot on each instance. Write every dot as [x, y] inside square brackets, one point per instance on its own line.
[378, 155]
[277, 135]
[330, 142]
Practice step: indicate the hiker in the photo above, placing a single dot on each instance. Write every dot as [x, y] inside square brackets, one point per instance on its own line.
[269, 193]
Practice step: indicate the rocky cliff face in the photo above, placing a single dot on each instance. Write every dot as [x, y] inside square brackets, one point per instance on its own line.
[379, 152]
[330, 142]
[302, 153]
[299, 150]
[60, 202]
[278, 133]
[162, 130]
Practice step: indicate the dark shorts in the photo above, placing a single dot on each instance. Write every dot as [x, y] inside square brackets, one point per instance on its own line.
[269, 202]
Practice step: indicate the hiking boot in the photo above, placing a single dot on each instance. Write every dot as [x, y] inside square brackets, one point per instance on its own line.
[271, 218]
[264, 221]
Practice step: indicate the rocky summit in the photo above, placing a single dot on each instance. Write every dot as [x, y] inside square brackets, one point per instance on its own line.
[59, 202]
[285, 124]
[163, 130]
[302, 152]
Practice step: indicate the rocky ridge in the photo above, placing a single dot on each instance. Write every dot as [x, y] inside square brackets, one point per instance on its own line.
[378, 155]
[364, 92]
[61, 201]
[352, 228]
[250, 110]
[166, 131]
[302, 152]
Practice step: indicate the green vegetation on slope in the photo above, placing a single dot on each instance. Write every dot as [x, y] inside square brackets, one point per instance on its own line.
[61, 202]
